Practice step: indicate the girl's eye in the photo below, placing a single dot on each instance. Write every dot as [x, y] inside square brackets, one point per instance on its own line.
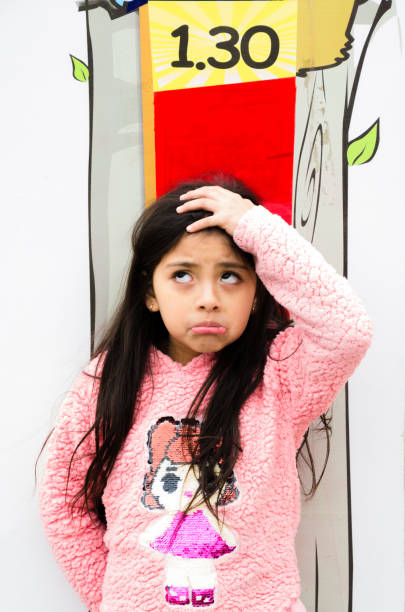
[232, 274]
[176, 275]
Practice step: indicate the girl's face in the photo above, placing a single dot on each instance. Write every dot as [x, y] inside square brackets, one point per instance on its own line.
[202, 279]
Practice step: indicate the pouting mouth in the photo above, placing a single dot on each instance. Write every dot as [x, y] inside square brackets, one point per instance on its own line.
[208, 324]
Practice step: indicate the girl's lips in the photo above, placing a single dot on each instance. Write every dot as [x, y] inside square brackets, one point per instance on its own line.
[208, 330]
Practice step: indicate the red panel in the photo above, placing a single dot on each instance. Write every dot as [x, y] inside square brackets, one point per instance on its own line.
[246, 129]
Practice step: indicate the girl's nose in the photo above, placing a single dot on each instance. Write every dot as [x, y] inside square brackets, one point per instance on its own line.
[208, 297]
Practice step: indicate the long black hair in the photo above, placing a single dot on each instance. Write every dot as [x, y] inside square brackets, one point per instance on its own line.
[236, 371]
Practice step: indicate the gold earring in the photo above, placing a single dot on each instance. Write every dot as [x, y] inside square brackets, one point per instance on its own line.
[254, 306]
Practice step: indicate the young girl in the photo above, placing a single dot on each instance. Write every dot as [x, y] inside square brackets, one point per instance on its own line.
[180, 436]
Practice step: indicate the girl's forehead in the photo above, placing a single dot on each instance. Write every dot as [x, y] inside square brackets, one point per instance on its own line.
[202, 247]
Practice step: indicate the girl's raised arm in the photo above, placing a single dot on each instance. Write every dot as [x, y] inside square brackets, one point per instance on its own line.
[333, 330]
[76, 541]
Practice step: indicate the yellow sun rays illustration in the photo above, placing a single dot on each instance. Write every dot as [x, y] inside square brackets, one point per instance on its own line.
[257, 41]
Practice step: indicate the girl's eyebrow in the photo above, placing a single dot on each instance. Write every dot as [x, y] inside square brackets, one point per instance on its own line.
[224, 264]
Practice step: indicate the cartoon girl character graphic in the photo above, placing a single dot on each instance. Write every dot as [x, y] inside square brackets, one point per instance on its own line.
[191, 541]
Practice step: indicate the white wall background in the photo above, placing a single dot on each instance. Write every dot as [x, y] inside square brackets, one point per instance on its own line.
[45, 305]
[45, 317]
[376, 221]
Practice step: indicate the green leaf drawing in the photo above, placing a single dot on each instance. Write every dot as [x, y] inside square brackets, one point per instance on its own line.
[362, 149]
[80, 70]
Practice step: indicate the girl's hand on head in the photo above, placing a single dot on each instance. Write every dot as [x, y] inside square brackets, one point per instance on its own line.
[227, 207]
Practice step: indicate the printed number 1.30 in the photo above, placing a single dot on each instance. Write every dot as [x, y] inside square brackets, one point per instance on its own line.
[230, 46]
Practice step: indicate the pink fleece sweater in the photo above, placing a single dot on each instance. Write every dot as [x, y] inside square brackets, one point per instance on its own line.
[147, 558]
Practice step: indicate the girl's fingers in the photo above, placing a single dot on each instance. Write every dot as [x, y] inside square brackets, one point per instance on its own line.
[221, 202]
[191, 195]
[196, 203]
[210, 190]
[201, 224]
[199, 202]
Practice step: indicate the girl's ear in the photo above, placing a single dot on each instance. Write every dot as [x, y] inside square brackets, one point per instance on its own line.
[151, 303]
[149, 295]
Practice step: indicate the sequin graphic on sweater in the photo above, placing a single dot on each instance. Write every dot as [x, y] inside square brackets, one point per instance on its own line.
[191, 541]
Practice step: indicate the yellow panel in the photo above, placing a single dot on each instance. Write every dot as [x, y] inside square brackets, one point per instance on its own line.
[322, 26]
[148, 114]
[256, 41]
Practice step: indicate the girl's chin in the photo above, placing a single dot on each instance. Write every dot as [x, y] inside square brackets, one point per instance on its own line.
[207, 344]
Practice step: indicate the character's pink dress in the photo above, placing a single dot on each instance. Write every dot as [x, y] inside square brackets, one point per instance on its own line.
[195, 539]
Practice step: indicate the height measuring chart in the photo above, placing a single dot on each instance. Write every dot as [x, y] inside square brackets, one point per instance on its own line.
[219, 93]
